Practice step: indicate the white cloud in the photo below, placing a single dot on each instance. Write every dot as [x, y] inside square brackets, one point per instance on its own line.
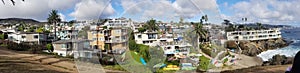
[62, 4]
[267, 11]
[92, 9]
[62, 17]
[166, 10]
[35, 9]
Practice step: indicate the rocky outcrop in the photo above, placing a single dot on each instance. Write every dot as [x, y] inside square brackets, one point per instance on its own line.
[279, 60]
[253, 48]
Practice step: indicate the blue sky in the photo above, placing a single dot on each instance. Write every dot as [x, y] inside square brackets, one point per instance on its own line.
[264, 11]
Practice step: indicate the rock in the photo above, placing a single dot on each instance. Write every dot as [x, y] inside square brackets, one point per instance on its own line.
[280, 60]
[231, 45]
[253, 48]
[266, 63]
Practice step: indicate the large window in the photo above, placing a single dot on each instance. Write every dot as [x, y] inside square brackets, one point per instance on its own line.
[23, 36]
[65, 46]
[86, 45]
[36, 36]
[118, 31]
[151, 36]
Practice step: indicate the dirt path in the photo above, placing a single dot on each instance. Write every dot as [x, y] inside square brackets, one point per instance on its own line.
[262, 69]
[13, 62]
[243, 62]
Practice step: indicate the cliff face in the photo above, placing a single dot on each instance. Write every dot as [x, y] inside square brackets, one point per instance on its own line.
[253, 48]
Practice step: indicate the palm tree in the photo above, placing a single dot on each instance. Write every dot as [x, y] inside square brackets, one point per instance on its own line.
[12, 1]
[54, 18]
[259, 25]
[198, 28]
[151, 25]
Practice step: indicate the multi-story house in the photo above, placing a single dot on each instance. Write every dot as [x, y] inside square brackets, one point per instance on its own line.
[262, 34]
[118, 22]
[27, 37]
[67, 34]
[147, 38]
[111, 39]
[179, 49]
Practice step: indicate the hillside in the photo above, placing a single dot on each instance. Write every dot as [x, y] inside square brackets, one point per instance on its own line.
[18, 20]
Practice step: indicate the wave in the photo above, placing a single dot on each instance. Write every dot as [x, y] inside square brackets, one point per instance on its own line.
[289, 51]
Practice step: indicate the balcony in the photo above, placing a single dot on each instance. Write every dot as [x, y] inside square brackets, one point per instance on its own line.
[115, 41]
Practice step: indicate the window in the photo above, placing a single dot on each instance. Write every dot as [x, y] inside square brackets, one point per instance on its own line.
[23, 36]
[86, 45]
[139, 36]
[117, 37]
[64, 46]
[151, 36]
[118, 31]
[36, 36]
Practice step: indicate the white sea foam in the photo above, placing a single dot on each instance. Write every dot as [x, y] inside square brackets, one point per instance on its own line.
[288, 51]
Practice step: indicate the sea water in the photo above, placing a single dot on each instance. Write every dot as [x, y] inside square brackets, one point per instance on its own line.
[289, 51]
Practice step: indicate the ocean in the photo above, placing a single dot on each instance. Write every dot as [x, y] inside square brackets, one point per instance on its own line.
[289, 51]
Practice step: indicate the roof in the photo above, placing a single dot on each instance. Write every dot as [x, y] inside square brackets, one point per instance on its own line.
[70, 41]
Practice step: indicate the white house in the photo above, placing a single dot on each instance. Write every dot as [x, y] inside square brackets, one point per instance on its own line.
[27, 37]
[254, 34]
[78, 48]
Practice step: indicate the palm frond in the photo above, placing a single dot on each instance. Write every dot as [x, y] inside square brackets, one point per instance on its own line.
[13, 2]
[3, 2]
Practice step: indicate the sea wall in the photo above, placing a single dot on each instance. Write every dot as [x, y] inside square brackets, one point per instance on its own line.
[253, 48]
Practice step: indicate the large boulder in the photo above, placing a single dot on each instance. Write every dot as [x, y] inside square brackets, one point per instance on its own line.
[280, 60]
[231, 45]
[280, 43]
[251, 49]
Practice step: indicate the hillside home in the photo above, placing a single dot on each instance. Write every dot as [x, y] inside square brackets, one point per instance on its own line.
[27, 37]
[78, 48]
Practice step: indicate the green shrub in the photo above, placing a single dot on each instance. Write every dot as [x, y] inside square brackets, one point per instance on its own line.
[204, 63]
[1, 36]
[49, 47]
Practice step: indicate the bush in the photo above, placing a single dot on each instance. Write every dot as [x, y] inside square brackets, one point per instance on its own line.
[18, 47]
[133, 46]
[175, 62]
[25, 47]
[1, 36]
[49, 47]
[144, 51]
[114, 67]
[204, 63]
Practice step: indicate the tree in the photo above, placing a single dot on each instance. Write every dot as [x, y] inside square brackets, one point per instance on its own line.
[259, 25]
[151, 25]
[198, 28]
[12, 1]
[54, 18]
[49, 47]
[181, 20]
[1, 36]
[142, 29]
[40, 30]
[227, 22]
[83, 33]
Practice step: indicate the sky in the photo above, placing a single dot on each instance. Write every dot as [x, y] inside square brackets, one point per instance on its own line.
[264, 11]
